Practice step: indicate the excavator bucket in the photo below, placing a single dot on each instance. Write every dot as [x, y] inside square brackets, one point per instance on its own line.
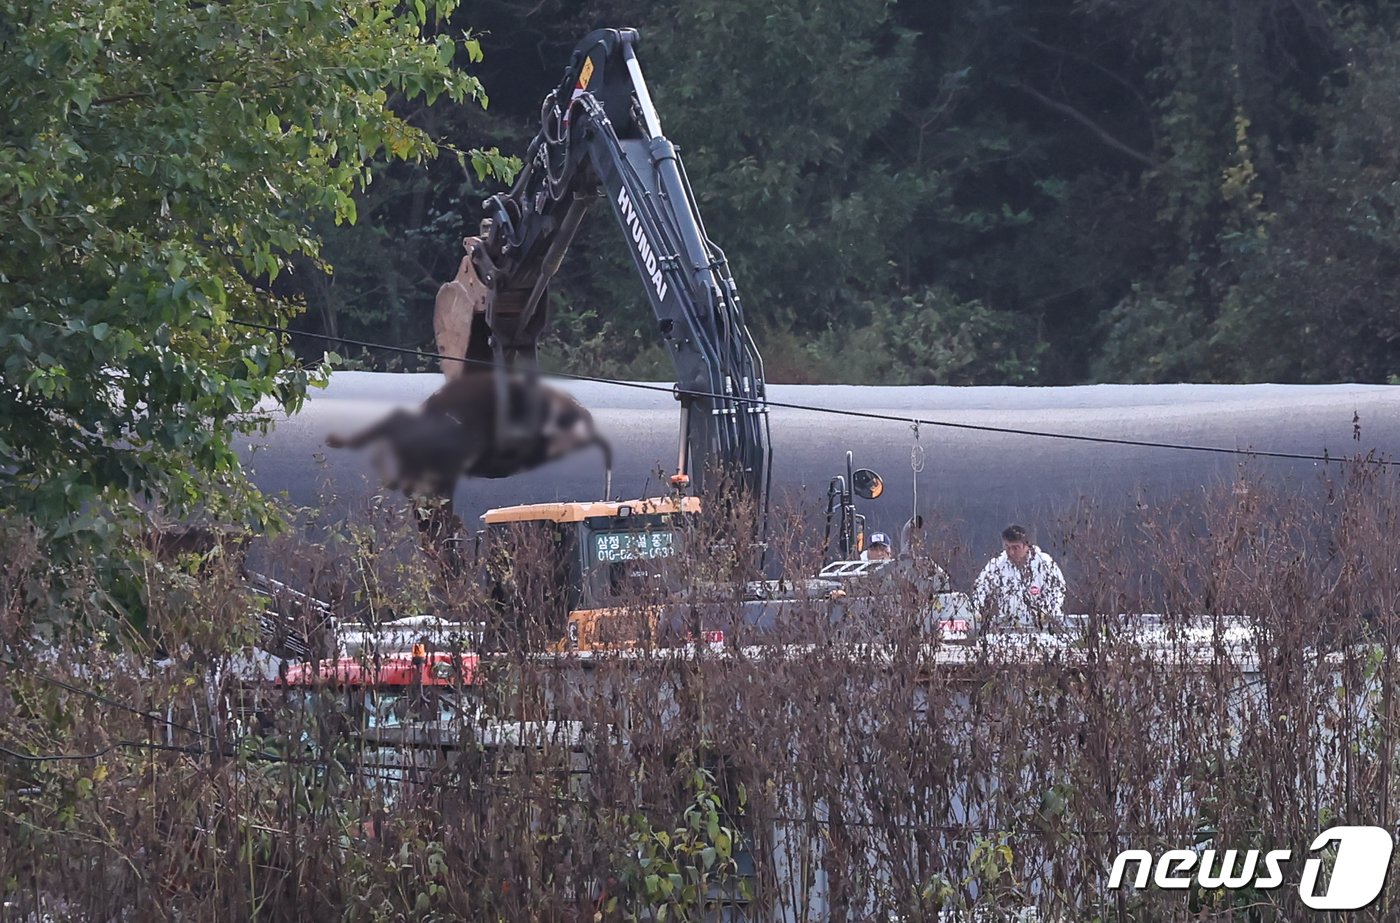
[466, 309]
[458, 303]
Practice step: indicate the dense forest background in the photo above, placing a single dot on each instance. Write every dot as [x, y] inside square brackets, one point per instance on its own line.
[1027, 191]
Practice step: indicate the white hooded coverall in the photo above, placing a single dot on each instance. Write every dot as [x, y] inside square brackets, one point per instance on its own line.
[1013, 597]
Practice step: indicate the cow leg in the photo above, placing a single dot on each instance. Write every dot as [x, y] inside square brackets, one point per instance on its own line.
[389, 424]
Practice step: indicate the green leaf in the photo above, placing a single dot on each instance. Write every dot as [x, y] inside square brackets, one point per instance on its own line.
[219, 165]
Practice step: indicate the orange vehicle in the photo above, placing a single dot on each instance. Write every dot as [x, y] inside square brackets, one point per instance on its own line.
[400, 670]
[419, 698]
[410, 697]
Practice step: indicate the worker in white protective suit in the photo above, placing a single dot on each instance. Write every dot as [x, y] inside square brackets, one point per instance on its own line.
[1020, 588]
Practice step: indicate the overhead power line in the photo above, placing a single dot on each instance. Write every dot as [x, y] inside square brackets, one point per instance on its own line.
[860, 414]
[98, 754]
[105, 700]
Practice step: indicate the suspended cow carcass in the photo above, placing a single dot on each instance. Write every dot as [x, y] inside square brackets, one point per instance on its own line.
[487, 421]
[458, 432]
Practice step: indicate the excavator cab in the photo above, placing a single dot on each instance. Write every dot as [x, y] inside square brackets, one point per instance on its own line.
[583, 576]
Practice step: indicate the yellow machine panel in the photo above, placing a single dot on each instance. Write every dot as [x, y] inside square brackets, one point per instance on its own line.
[618, 628]
[577, 512]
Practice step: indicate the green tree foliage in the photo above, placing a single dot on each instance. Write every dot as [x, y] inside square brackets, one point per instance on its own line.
[1028, 191]
[936, 338]
[820, 151]
[161, 165]
[777, 112]
[1315, 297]
[377, 278]
[1271, 255]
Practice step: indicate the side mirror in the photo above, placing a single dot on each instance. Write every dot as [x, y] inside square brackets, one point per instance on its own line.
[867, 484]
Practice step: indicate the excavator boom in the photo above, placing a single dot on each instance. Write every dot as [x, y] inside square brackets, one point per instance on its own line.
[600, 137]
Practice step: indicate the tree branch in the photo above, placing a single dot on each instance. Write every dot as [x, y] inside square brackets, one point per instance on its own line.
[1111, 74]
[1082, 119]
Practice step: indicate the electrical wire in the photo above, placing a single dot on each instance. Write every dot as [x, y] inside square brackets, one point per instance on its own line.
[111, 702]
[860, 414]
[107, 700]
[118, 745]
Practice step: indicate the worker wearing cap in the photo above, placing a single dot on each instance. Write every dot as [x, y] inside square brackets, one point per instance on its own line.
[878, 548]
[1021, 587]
